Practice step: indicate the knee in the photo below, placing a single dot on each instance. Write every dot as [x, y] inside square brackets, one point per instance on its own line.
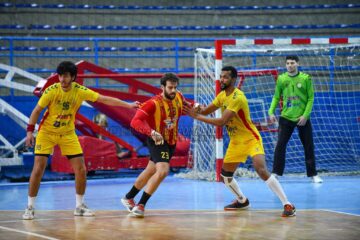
[226, 176]
[162, 173]
[262, 172]
[80, 170]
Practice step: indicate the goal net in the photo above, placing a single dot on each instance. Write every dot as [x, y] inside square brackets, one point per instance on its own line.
[334, 65]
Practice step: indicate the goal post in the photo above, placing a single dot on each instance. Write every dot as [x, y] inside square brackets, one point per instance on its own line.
[334, 65]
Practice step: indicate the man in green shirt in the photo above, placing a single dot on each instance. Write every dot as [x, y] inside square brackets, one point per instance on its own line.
[297, 92]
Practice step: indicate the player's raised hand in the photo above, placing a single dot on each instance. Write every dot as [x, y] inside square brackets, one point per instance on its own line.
[157, 137]
[30, 140]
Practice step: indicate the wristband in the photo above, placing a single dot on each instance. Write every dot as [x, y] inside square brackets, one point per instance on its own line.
[30, 128]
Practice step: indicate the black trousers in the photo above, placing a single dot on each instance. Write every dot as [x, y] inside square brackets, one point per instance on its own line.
[286, 128]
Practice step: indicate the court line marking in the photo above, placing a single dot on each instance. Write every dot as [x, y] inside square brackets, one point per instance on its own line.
[340, 212]
[28, 233]
[162, 212]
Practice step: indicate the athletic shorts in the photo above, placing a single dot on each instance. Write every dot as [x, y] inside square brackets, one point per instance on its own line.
[239, 150]
[160, 153]
[69, 144]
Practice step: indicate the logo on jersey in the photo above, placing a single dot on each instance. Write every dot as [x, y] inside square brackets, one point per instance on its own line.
[66, 105]
[170, 123]
[298, 85]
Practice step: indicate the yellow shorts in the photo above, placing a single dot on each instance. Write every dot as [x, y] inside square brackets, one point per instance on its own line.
[238, 150]
[69, 143]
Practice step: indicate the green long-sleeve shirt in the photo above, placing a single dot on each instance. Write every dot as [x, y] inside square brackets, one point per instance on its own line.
[297, 93]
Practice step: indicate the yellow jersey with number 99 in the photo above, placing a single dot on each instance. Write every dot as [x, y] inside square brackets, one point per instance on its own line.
[62, 106]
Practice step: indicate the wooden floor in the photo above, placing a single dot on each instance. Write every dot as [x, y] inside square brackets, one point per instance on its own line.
[162, 224]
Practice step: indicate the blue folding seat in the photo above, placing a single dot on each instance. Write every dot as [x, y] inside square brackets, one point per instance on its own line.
[200, 8]
[166, 28]
[40, 26]
[65, 27]
[104, 7]
[53, 6]
[117, 28]
[130, 49]
[52, 49]
[26, 48]
[12, 26]
[153, 7]
[156, 49]
[27, 5]
[177, 7]
[215, 28]
[222, 8]
[184, 49]
[92, 27]
[79, 49]
[107, 49]
[130, 7]
[191, 28]
[142, 28]
[5, 5]
[236, 27]
[2, 48]
[79, 6]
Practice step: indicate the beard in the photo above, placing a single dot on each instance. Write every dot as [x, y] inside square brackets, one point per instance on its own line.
[169, 96]
[223, 86]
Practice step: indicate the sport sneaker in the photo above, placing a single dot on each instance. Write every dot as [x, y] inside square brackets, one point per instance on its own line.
[289, 211]
[316, 179]
[83, 211]
[129, 204]
[29, 213]
[138, 210]
[236, 205]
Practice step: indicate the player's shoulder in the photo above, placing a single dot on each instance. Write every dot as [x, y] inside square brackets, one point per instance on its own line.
[52, 88]
[304, 75]
[78, 86]
[238, 94]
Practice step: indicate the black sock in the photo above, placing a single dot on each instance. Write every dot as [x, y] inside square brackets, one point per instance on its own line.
[132, 193]
[144, 198]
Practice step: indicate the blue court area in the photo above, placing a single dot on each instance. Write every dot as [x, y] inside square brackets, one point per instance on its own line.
[337, 193]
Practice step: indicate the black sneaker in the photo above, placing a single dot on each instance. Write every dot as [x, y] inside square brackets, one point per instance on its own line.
[236, 205]
[289, 211]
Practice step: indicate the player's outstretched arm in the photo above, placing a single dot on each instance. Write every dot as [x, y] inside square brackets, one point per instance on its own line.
[226, 116]
[30, 140]
[117, 102]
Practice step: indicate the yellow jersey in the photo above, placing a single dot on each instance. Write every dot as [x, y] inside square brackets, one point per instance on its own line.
[239, 127]
[62, 106]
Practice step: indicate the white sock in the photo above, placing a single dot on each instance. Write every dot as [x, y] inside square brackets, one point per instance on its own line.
[235, 189]
[275, 186]
[31, 201]
[79, 200]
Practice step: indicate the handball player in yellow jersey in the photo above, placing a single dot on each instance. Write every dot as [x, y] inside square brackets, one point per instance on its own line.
[57, 127]
[245, 140]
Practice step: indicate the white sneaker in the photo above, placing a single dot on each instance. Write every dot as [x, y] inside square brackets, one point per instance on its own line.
[316, 179]
[29, 213]
[84, 211]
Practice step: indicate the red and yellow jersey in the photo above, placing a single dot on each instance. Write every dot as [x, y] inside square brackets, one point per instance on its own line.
[62, 106]
[161, 115]
[240, 126]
